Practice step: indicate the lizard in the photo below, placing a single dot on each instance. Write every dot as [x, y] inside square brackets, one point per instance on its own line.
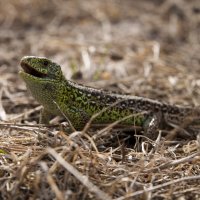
[59, 96]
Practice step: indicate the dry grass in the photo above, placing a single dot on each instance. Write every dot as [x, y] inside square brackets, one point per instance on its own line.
[146, 48]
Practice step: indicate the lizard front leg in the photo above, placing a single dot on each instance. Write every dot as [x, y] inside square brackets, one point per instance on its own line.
[75, 116]
[45, 116]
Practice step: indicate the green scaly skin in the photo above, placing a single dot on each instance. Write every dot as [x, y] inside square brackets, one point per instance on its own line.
[47, 84]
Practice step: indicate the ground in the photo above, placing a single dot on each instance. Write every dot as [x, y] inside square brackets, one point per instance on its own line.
[144, 48]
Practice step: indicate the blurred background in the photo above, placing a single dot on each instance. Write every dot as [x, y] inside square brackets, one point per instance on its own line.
[142, 47]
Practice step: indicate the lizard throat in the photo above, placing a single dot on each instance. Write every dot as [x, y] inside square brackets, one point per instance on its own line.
[31, 71]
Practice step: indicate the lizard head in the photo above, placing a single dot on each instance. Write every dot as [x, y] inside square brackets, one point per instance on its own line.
[40, 69]
[43, 79]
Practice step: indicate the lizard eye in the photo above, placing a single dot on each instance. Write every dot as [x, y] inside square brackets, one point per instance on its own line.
[45, 63]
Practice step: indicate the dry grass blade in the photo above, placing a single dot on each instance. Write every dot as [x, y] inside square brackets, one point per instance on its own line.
[2, 110]
[173, 182]
[110, 126]
[70, 124]
[82, 178]
[174, 163]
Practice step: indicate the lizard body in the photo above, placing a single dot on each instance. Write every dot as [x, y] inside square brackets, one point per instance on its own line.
[47, 84]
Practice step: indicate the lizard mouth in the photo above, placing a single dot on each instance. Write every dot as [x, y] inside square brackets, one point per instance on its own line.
[31, 71]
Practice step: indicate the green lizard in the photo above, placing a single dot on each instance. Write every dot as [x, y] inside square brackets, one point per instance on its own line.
[47, 84]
